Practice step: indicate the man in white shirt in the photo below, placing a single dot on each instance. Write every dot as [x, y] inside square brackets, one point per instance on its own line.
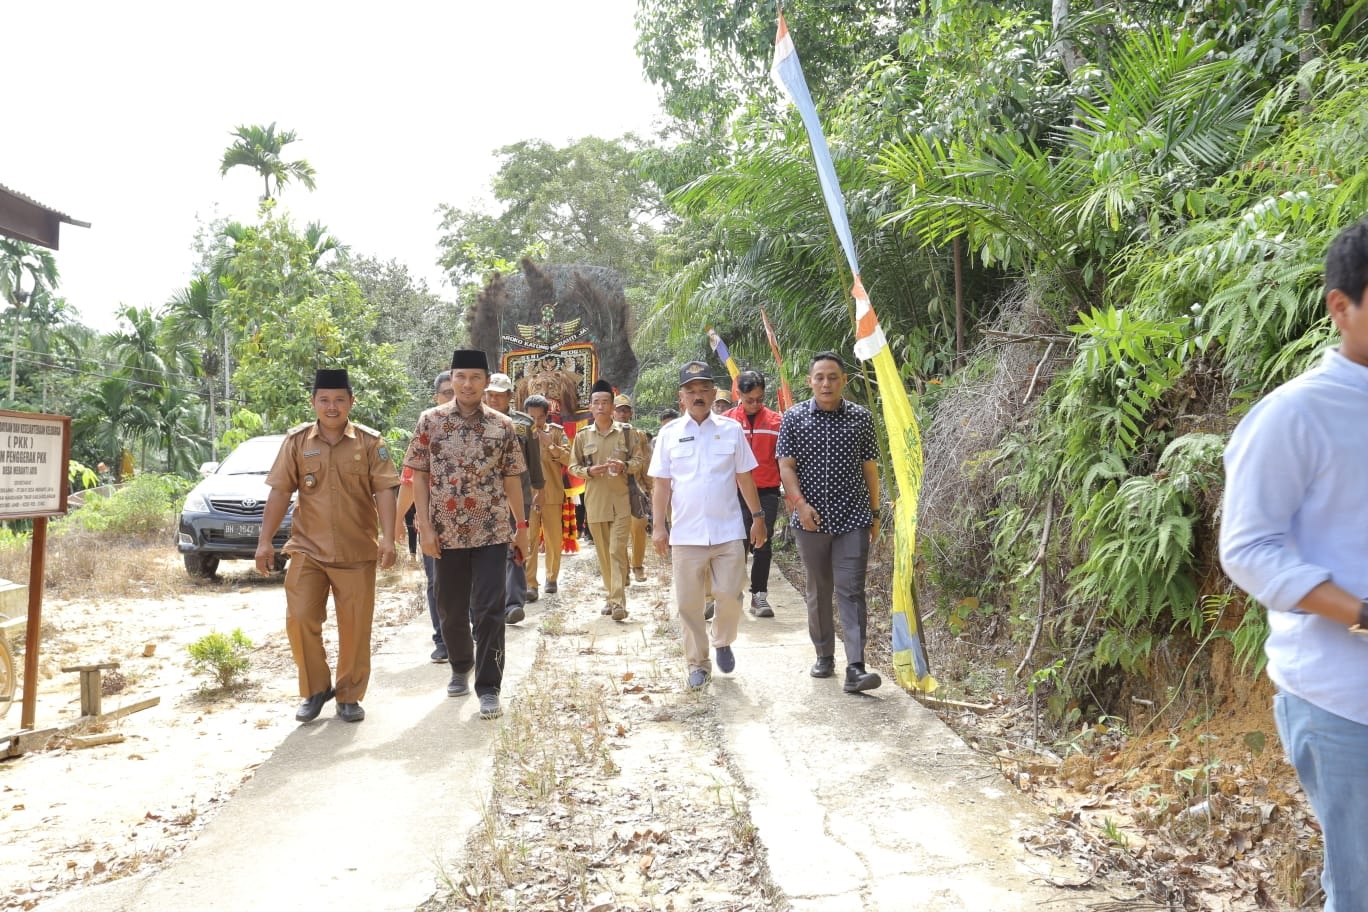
[699, 460]
[1293, 537]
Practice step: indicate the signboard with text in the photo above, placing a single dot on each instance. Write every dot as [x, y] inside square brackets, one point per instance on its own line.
[34, 450]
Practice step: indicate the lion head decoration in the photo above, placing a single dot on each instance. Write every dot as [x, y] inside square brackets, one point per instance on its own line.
[550, 379]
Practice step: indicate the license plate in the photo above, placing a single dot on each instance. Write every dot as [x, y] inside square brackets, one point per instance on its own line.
[241, 530]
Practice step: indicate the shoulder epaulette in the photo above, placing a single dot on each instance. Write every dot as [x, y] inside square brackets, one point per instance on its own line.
[367, 430]
[299, 427]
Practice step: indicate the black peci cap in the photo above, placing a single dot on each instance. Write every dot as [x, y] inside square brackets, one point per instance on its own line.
[469, 359]
[331, 379]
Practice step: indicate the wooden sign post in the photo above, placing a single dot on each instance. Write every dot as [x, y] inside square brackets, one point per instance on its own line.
[34, 453]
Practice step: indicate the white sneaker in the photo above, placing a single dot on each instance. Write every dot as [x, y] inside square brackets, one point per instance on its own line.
[760, 606]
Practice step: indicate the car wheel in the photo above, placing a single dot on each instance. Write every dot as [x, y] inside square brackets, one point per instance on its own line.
[202, 566]
[280, 561]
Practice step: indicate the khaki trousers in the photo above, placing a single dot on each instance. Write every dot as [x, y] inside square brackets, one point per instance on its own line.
[696, 567]
[545, 522]
[638, 541]
[610, 541]
[307, 584]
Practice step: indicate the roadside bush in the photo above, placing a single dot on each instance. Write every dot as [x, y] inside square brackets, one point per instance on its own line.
[221, 656]
[147, 505]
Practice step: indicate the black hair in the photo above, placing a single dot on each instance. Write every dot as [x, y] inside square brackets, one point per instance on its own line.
[750, 380]
[536, 400]
[668, 415]
[443, 377]
[826, 356]
[1346, 263]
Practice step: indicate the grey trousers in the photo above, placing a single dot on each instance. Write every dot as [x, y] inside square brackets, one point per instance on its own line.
[836, 563]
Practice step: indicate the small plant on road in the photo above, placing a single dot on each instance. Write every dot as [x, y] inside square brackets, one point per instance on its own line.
[221, 656]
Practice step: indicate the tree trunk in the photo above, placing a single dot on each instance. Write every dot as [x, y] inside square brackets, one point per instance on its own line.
[227, 373]
[14, 353]
[957, 248]
[213, 433]
[1306, 26]
[1069, 53]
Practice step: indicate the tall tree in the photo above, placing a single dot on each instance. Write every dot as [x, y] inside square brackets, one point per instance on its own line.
[260, 148]
[110, 419]
[586, 202]
[25, 270]
[194, 330]
[288, 318]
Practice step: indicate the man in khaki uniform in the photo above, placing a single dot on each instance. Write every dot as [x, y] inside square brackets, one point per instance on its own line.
[546, 517]
[622, 413]
[601, 457]
[345, 481]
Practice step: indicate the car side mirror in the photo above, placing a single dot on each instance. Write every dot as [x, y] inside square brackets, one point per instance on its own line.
[208, 468]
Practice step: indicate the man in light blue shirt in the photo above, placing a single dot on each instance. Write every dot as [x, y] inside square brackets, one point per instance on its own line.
[1294, 535]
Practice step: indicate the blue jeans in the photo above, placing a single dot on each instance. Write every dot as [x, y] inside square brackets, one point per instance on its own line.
[1328, 752]
[432, 599]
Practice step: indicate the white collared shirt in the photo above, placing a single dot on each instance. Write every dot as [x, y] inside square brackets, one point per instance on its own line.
[702, 462]
[1292, 518]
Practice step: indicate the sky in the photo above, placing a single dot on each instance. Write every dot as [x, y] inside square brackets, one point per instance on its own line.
[120, 113]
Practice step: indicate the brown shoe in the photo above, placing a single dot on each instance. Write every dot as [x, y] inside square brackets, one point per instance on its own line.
[640, 573]
[619, 613]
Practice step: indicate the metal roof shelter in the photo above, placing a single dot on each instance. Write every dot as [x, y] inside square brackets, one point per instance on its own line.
[26, 219]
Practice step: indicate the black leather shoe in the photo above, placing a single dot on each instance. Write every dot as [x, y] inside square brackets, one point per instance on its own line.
[858, 680]
[310, 708]
[350, 712]
[824, 667]
[459, 685]
[550, 587]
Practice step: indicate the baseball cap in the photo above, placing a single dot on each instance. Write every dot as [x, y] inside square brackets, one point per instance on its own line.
[723, 395]
[500, 383]
[694, 370]
[620, 401]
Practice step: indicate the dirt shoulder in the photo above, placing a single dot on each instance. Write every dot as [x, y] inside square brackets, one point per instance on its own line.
[75, 816]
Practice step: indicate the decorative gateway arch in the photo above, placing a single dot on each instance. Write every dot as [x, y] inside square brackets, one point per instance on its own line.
[556, 330]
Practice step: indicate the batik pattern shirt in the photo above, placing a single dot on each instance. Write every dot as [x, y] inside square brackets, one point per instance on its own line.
[467, 460]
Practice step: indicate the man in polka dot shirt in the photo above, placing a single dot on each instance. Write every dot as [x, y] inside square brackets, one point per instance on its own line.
[828, 459]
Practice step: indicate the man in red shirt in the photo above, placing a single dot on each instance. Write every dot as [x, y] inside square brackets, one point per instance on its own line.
[761, 427]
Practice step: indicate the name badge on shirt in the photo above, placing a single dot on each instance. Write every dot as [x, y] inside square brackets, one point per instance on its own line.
[685, 439]
[313, 452]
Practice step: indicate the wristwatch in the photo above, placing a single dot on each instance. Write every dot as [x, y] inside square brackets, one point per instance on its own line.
[1361, 627]
[520, 525]
[758, 514]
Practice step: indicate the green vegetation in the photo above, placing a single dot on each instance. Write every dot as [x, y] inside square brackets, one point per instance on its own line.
[1092, 233]
[221, 657]
[1093, 237]
[147, 505]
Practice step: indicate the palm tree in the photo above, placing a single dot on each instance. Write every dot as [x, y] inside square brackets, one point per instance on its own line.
[323, 242]
[51, 337]
[138, 346]
[16, 259]
[110, 414]
[171, 417]
[260, 148]
[194, 330]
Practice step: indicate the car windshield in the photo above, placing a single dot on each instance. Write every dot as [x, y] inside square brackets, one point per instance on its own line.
[252, 457]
